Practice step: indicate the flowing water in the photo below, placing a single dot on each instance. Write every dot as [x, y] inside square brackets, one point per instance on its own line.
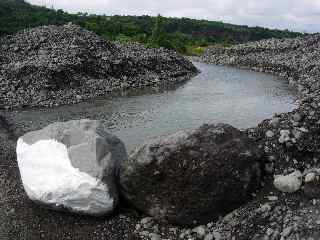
[218, 94]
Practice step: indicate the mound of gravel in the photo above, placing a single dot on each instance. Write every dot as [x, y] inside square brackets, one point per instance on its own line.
[55, 65]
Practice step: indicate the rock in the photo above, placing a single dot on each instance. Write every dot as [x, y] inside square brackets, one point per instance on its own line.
[310, 177]
[211, 237]
[286, 232]
[272, 198]
[284, 136]
[71, 166]
[297, 117]
[200, 231]
[216, 235]
[155, 236]
[211, 170]
[289, 183]
[311, 188]
[269, 134]
[264, 208]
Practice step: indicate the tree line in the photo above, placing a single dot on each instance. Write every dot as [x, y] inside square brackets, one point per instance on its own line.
[185, 35]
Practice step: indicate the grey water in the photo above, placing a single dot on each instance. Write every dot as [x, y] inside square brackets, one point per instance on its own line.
[218, 94]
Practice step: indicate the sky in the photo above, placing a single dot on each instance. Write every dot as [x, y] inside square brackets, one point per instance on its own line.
[298, 15]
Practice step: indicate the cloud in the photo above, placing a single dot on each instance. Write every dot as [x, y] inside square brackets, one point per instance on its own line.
[301, 15]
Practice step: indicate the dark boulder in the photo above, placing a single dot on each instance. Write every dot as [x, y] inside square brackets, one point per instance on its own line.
[193, 176]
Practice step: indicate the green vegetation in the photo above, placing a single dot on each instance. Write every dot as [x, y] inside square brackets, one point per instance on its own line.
[184, 35]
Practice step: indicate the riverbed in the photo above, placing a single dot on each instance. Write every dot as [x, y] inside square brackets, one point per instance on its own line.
[218, 94]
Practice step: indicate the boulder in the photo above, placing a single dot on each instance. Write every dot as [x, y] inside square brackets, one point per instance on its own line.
[71, 166]
[193, 176]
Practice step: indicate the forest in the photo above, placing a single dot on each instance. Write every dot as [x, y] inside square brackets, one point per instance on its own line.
[185, 35]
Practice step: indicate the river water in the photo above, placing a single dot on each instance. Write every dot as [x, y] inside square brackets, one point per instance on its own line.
[218, 94]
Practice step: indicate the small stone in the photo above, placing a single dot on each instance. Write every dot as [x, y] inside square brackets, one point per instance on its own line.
[269, 134]
[314, 202]
[145, 220]
[79, 97]
[303, 129]
[269, 168]
[264, 208]
[200, 231]
[275, 121]
[269, 231]
[297, 117]
[288, 183]
[138, 227]
[284, 136]
[272, 198]
[210, 237]
[154, 236]
[286, 232]
[217, 235]
[310, 177]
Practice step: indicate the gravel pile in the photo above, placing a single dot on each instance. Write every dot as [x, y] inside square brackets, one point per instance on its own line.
[55, 65]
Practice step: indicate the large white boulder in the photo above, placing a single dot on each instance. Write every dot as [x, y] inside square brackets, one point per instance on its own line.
[71, 166]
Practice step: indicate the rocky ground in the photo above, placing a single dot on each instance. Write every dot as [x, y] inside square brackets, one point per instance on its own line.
[55, 65]
[290, 142]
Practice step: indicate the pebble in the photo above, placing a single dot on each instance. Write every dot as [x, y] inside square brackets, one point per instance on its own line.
[200, 231]
[288, 183]
[286, 232]
[310, 177]
[269, 134]
[284, 136]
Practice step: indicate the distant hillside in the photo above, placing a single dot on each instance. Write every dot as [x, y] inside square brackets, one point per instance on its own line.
[180, 34]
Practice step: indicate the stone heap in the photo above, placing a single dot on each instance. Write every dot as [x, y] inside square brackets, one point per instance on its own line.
[54, 65]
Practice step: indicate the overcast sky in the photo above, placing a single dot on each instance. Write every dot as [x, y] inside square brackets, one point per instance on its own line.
[302, 15]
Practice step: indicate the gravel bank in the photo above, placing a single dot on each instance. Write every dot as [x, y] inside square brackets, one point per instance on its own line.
[55, 65]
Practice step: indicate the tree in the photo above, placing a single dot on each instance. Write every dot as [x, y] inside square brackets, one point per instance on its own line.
[158, 34]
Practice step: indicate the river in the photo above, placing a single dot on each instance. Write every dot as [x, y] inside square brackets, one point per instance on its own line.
[218, 94]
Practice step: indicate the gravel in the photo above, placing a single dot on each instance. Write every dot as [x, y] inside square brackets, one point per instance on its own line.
[55, 65]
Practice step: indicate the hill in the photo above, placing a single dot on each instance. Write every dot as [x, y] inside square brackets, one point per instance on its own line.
[55, 65]
[181, 34]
